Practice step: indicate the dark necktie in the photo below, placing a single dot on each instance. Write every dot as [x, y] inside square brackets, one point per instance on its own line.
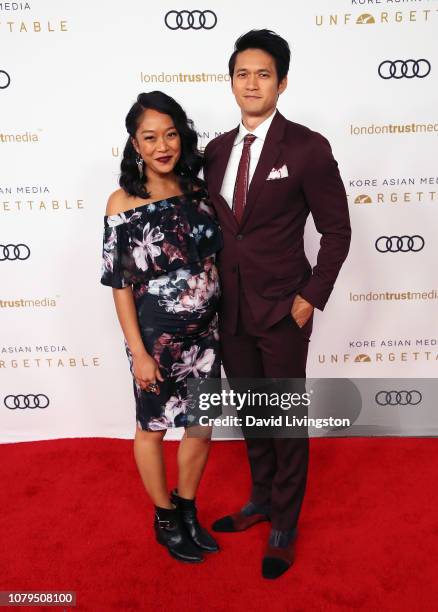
[241, 185]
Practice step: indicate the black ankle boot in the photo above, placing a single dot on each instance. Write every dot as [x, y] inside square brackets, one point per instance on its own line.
[199, 535]
[171, 533]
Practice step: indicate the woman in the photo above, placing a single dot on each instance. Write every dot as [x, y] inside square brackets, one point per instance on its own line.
[160, 240]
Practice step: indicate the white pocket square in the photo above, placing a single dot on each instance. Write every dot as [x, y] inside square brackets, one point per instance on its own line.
[278, 173]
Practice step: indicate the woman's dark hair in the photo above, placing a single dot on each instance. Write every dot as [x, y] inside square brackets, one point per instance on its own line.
[189, 163]
[268, 41]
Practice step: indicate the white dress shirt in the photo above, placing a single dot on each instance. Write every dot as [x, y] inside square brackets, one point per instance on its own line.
[227, 189]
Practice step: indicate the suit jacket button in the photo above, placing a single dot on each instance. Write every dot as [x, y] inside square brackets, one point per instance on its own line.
[239, 236]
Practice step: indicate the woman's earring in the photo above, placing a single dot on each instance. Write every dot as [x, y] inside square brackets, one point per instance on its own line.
[139, 162]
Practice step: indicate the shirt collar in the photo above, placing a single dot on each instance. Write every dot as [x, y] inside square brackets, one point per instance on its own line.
[259, 132]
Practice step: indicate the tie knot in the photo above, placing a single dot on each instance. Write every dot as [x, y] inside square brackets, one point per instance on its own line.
[249, 139]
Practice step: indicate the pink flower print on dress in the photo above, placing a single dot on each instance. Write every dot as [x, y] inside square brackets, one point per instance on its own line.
[172, 252]
[159, 423]
[146, 247]
[114, 220]
[192, 364]
[108, 249]
[174, 406]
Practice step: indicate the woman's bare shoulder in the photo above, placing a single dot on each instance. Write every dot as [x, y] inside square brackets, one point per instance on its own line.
[118, 202]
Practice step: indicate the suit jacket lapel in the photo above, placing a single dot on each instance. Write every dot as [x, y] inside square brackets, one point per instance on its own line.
[223, 153]
[270, 153]
[216, 175]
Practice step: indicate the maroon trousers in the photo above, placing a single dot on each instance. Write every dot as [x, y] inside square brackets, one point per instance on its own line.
[278, 465]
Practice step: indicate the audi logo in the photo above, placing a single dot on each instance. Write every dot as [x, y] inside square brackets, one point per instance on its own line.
[398, 398]
[14, 251]
[399, 244]
[190, 20]
[5, 79]
[26, 401]
[404, 69]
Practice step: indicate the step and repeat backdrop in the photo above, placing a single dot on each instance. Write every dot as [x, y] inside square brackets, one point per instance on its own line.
[363, 73]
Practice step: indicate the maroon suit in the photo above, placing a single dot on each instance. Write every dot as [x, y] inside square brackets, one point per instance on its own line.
[262, 267]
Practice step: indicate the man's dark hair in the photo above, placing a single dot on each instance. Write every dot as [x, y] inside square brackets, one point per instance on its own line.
[268, 41]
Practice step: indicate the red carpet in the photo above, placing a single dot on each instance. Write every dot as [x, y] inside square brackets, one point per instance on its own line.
[74, 516]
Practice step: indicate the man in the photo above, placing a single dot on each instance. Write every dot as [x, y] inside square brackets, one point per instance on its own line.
[264, 178]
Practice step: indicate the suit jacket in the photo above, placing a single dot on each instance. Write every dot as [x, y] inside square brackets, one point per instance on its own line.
[265, 254]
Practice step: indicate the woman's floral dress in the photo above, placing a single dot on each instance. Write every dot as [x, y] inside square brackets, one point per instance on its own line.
[166, 252]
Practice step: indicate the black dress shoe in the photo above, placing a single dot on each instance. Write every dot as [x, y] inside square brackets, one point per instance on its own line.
[275, 562]
[237, 522]
[279, 554]
[188, 513]
[249, 515]
[171, 533]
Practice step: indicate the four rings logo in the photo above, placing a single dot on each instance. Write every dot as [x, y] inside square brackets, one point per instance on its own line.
[398, 398]
[399, 244]
[5, 79]
[404, 69]
[14, 251]
[26, 401]
[190, 20]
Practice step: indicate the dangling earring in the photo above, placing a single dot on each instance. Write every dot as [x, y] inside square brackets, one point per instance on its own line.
[139, 162]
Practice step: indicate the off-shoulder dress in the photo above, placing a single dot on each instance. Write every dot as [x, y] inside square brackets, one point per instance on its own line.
[166, 252]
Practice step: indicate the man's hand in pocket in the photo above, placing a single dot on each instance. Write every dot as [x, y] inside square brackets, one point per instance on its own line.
[301, 310]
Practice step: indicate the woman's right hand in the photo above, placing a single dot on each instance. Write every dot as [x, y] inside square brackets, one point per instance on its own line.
[146, 372]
